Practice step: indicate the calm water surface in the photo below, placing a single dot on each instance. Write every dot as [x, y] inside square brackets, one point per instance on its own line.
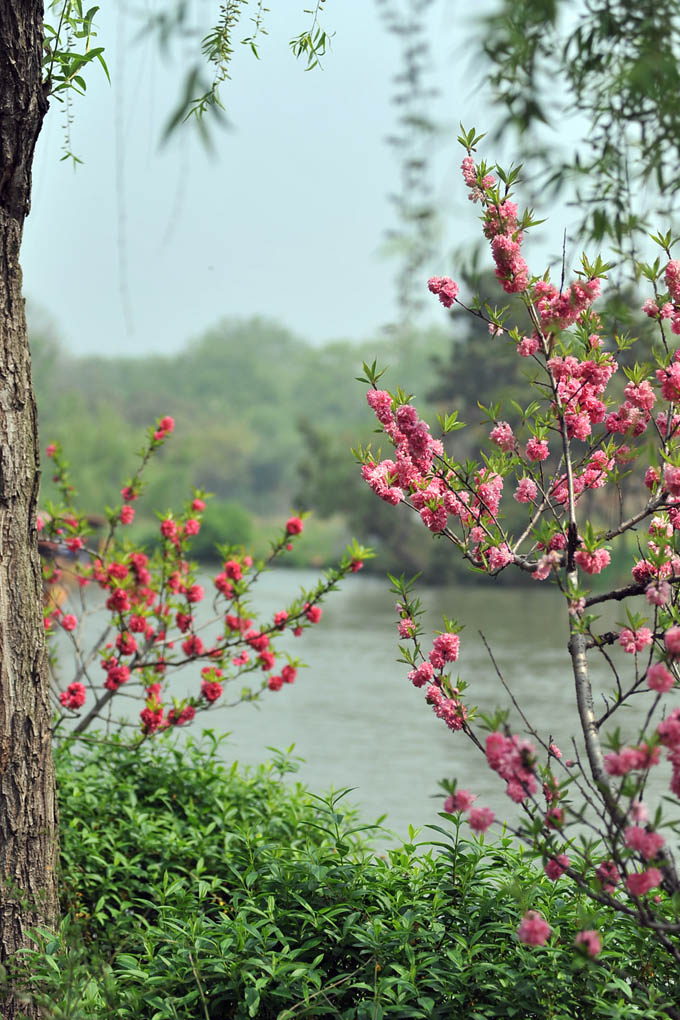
[357, 721]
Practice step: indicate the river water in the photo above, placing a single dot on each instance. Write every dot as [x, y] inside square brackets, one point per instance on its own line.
[358, 722]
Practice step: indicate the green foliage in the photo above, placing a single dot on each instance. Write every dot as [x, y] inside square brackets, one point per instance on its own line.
[200, 91]
[614, 64]
[221, 519]
[192, 889]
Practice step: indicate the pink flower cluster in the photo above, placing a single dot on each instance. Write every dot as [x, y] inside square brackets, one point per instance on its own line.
[668, 732]
[635, 413]
[459, 801]
[534, 929]
[74, 696]
[635, 640]
[147, 598]
[444, 288]
[660, 678]
[580, 386]
[513, 759]
[643, 841]
[471, 179]
[451, 710]
[563, 308]
[556, 867]
[631, 759]
[415, 450]
[502, 435]
[592, 562]
[590, 941]
[641, 882]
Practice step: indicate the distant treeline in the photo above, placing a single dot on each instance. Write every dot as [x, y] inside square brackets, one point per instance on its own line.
[266, 421]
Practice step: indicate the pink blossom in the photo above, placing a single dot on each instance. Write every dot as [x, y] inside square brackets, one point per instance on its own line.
[502, 435]
[513, 759]
[545, 564]
[638, 811]
[69, 621]
[192, 526]
[266, 660]
[499, 556]
[480, 819]
[534, 929]
[669, 379]
[127, 514]
[469, 172]
[537, 449]
[198, 505]
[294, 526]
[527, 346]
[658, 594]
[126, 644]
[461, 800]
[590, 940]
[186, 715]
[233, 570]
[646, 843]
[275, 683]
[422, 675]
[672, 641]
[193, 646]
[450, 710]
[381, 402]
[641, 882]
[406, 628]
[168, 528]
[445, 288]
[635, 640]
[672, 276]
[445, 649]
[608, 875]
[630, 759]
[592, 562]
[74, 696]
[659, 678]
[555, 867]
[211, 690]
[223, 584]
[526, 491]
[288, 674]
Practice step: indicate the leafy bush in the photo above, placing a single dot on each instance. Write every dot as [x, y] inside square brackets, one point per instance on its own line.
[196, 890]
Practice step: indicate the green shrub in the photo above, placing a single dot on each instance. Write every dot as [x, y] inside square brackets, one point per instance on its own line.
[196, 891]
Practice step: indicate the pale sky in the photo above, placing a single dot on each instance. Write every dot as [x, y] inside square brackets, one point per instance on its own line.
[287, 219]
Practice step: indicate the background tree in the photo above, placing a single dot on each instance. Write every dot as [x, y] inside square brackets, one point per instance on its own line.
[607, 69]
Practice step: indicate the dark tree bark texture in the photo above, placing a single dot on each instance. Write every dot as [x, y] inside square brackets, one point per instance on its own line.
[28, 816]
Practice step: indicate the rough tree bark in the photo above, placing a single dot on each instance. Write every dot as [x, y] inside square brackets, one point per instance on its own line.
[28, 816]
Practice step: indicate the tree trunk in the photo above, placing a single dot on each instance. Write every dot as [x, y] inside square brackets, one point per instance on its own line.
[28, 815]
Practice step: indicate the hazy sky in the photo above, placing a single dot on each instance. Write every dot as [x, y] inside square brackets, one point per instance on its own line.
[143, 247]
